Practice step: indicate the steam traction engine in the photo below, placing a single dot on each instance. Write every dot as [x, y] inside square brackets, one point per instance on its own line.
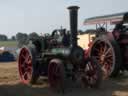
[110, 48]
[58, 57]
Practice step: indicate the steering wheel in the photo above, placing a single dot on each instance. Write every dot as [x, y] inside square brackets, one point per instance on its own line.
[55, 33]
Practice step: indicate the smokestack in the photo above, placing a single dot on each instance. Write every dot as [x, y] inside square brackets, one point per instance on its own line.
[73, 11]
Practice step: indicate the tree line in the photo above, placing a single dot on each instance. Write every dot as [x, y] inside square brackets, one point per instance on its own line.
[21, 38]
[5, 38]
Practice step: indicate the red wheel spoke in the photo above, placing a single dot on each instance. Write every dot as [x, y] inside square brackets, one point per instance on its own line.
[22, 55]
[107, 68]
[27, 59]
[25, 76]
[105, 48]
[90, 67]
[108, 56]
[107, 51]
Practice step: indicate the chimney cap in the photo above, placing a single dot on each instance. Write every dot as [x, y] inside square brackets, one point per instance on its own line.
[73, 7]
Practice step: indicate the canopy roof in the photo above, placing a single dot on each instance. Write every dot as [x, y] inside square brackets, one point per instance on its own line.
[112, 19]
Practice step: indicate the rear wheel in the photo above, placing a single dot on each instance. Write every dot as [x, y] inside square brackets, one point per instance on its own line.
[56, 74]
[107, 53]
[92, 75]
[27, 65]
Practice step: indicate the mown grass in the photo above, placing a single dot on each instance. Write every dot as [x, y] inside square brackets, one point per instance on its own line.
[8, 43]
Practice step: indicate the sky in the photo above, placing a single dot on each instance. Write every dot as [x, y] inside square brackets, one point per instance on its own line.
[43, 16]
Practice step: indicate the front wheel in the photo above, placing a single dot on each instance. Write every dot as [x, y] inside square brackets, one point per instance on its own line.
[56, 74]
[27, 65]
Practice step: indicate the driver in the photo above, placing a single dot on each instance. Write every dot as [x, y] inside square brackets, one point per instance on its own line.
[66, 38]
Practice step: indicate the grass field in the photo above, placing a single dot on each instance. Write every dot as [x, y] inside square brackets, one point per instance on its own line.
[10, 85]
[8, 43]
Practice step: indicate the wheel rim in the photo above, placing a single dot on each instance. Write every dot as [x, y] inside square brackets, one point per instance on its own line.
[55, 75]
[25, 65]
[103, 52]
[90, 76]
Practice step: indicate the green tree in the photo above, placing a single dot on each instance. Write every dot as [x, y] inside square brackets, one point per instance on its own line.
[33, 36]
[22, 39]
[3, 37]
[13, 38]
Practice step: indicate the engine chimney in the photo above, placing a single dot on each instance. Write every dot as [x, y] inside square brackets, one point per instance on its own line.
[73, 10]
